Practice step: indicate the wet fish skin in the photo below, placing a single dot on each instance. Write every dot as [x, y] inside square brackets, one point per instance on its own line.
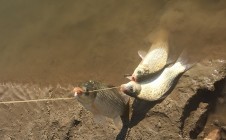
[153, 90]
[109, 103]
[154, 60]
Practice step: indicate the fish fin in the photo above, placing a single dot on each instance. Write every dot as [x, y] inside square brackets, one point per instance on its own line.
[117, 121]
[125, 97]
[127, 102]
[169, 62]
[129, 77]
[99, 118]
[142, 54]
[185, 60]
[126, 75]
[127, 113]
[171, 57]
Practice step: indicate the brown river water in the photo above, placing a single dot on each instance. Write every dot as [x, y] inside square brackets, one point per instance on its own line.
[66, 42]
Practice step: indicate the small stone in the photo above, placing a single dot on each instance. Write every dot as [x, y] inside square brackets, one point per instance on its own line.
[216, 122]
[213, 135]
[159, 125]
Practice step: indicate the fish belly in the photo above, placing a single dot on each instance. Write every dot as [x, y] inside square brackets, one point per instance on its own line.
[156, 89]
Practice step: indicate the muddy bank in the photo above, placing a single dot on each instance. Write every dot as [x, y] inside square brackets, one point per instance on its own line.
[181, 115]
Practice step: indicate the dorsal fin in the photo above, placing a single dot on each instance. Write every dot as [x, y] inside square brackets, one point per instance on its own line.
[142, 54]
[129, 77]
[185, 59]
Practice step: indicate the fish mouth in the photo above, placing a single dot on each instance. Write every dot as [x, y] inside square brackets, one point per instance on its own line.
[123, 89]
[78, 91]
[131, 77]
[134, 78]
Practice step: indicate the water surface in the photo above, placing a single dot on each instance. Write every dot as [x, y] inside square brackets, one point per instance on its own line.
[66, 42]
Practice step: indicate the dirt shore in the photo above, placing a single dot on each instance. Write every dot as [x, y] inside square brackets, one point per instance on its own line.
[182, 115]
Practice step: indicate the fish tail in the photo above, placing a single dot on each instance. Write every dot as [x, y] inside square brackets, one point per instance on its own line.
[185, 60]
[117, 122]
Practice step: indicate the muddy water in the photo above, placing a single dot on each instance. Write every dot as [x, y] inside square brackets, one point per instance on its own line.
[52, 42]
[65, 42]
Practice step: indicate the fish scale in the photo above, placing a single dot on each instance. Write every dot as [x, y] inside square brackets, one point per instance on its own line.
[110, 103]
[153, 61]
[152, 90]
[164, 81]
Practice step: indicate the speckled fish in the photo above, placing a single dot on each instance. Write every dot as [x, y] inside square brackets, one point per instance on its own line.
[154, 60]
[109, 103]
[152, 90]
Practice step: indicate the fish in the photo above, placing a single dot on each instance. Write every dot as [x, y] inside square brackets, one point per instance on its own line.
[154, 60]
[103, 103]
[155, 89]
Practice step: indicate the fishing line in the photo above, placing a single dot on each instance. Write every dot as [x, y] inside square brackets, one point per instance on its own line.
[54, 99]
[103, 89]
[37, 100]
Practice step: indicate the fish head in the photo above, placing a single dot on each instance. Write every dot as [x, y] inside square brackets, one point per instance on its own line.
[131, 88]
[139, 73]
[84, 95]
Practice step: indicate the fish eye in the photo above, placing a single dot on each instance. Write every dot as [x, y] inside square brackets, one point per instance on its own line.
[131, 89]
[86, 92]
[139, 72]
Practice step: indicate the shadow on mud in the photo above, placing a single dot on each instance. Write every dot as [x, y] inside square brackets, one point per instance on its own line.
[139, 110]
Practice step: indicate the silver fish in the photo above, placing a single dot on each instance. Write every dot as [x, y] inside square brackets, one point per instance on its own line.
[109, 103]
[154, 60]
[153, 90]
